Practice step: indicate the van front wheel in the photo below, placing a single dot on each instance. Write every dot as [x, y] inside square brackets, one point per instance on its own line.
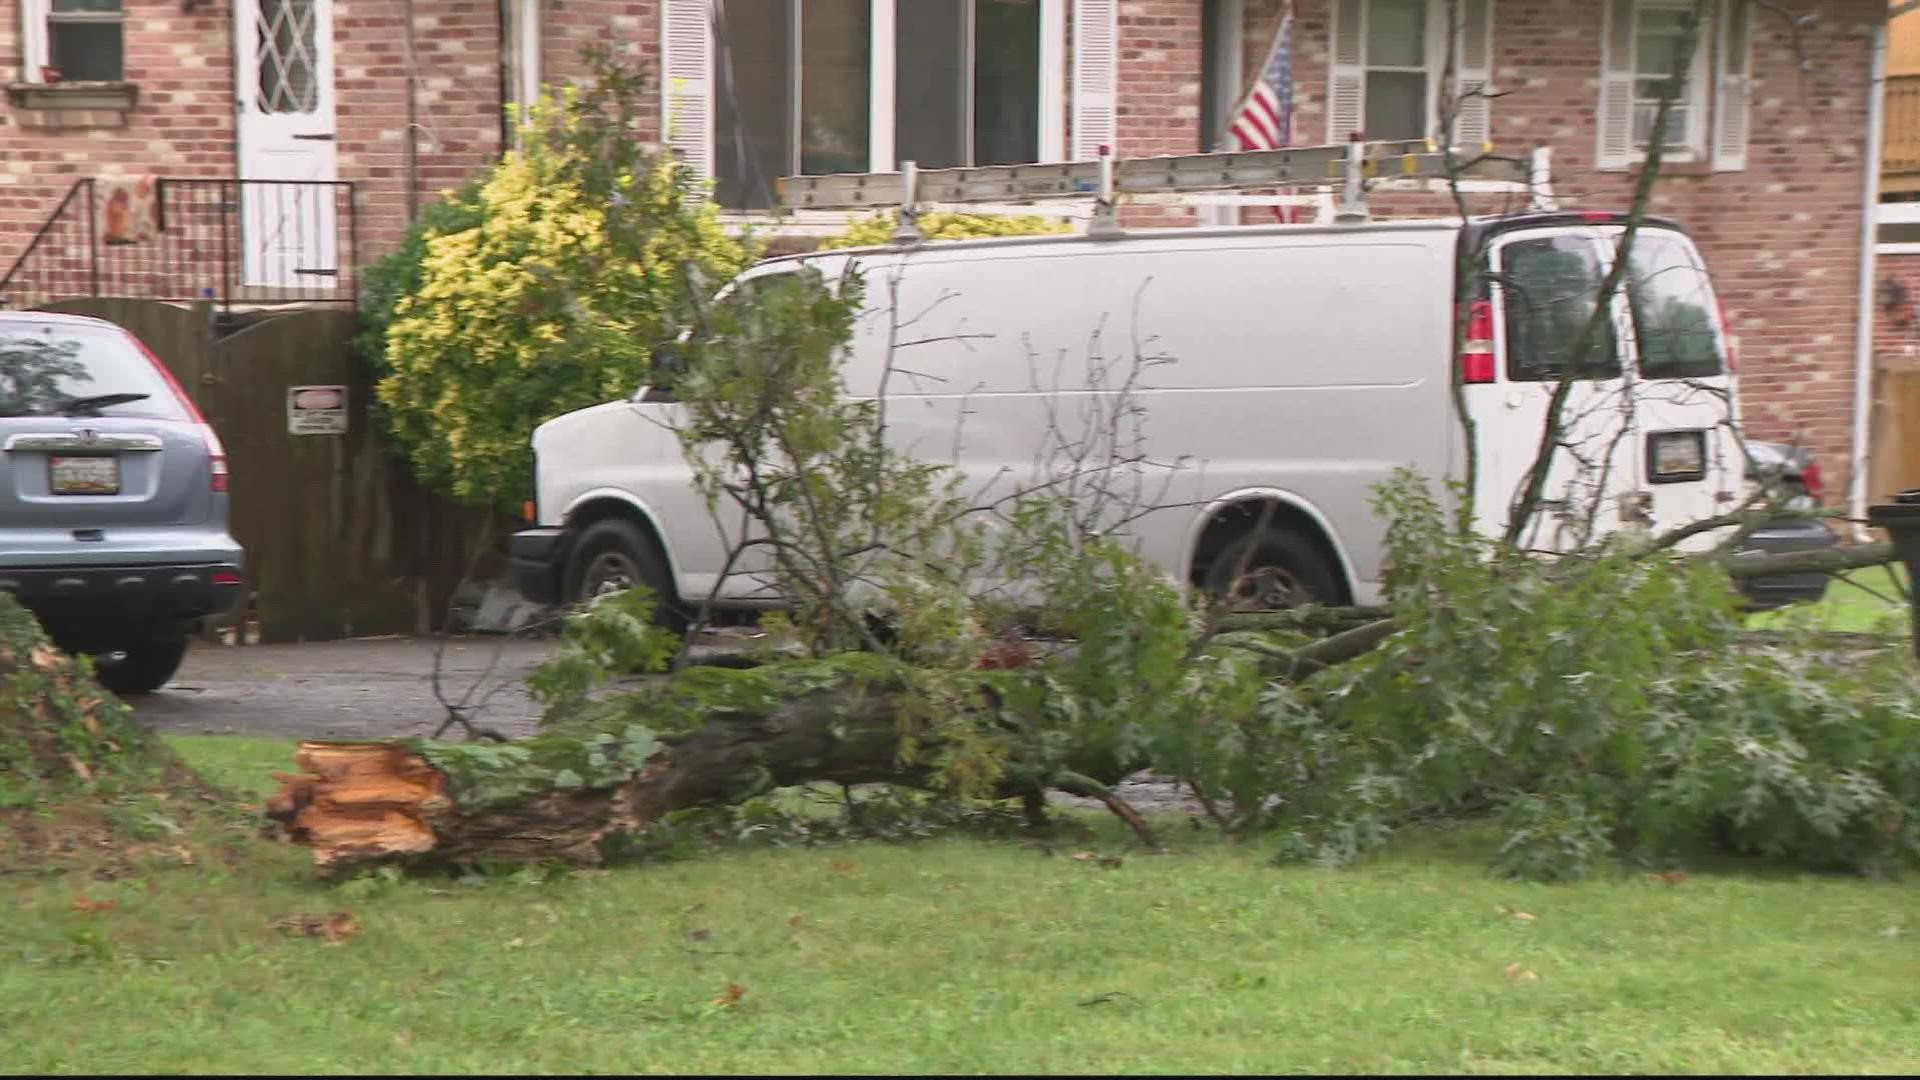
[1272, 572]
[614, 555]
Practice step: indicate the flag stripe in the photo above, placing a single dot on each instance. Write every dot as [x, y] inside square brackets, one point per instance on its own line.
[1265, 119]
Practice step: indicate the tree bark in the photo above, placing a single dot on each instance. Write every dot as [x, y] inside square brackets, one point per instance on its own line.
[355, 803]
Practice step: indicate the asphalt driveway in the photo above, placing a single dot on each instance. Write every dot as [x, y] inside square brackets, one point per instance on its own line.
[364, 688]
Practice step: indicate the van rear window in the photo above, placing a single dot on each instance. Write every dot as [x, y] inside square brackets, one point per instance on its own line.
[1549, 286]
[1674, 321]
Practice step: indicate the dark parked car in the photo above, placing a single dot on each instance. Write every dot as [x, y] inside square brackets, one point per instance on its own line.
[113, 497]
[1797, 472]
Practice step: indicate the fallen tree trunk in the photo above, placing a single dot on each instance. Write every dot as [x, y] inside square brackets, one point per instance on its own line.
[1832, 560]
[561, 796]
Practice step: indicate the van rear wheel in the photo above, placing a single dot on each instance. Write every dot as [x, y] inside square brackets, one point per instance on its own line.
[1271, 572]
[613, 555]
[142, 666]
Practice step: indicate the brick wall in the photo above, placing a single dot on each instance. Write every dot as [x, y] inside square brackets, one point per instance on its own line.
[182, 124]
[457, 103]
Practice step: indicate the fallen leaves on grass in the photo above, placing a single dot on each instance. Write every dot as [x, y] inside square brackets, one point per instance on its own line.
[1518, 974]
[841, 866]
[1105, 862]
[1670, 877]
[336, 927]
[89, 905]
[1516, 914]
[731, 996]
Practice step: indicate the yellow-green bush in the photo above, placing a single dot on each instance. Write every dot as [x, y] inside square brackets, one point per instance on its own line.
[582, 255]
[878, 229]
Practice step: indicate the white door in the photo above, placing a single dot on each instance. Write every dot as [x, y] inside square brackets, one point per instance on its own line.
[1549, 281]
[285, 111]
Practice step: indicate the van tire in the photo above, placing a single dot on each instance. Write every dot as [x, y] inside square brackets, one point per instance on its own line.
[613, 554]
[144, 666]
[1292, 563]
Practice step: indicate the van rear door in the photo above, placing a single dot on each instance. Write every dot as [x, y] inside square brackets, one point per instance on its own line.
[1548, 281]
[1690, 463]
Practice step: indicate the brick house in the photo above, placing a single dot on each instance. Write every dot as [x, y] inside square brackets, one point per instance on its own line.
[1771, 166]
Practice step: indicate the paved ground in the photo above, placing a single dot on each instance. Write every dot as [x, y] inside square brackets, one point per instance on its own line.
[368, 688]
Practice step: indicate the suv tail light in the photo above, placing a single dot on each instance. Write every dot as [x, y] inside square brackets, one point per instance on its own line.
[1476, 351]
[216, 452]
[1814, 480]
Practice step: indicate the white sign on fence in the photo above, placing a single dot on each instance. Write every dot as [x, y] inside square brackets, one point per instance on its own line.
[316, 410]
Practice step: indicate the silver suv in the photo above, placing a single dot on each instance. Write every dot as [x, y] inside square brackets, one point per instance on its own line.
[113, 497]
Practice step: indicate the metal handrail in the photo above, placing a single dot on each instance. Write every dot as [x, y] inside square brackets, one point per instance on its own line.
[229, 241]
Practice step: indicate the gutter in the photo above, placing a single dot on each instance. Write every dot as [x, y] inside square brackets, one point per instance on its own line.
[1869, 244]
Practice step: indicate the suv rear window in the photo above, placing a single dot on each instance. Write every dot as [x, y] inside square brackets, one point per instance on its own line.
[1549, 286]
[1673, 310]
[56, 369]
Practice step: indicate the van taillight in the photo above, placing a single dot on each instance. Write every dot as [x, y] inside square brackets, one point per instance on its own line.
[1476, 352]
[216, 453]
[1726, 335]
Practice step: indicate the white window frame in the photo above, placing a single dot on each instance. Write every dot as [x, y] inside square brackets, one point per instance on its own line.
[1434, 48]
[882, 82]
[1699, 100]
[1435, 69]
[36, 48]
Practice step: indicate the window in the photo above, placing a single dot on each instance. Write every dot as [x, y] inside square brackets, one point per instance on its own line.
[1390, 64]
[1643, 41]
[795, 88]
[75, 40]
[1398, 82]
[1674, 323]
[1659, 31]
[1548, 289]
[1221, 68]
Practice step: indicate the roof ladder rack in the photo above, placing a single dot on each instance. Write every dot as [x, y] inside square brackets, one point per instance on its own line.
[1353, 167]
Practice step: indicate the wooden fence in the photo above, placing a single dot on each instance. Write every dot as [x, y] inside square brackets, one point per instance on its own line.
[340, 539]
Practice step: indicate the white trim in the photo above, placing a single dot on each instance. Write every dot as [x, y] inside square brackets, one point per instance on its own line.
[1897, 249]
[1869, 274]
[1096, 77]
[1434, 51]
[882, 85]
[1053, 80]
[1897, 213]
[33, 38]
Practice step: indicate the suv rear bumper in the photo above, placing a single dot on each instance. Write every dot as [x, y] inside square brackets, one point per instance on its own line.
[1805, 534]
[538, 558]
[165, 591]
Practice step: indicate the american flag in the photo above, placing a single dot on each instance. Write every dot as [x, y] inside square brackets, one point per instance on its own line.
[1265, 119]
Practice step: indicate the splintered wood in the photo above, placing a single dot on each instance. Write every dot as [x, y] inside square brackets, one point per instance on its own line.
[355, 800]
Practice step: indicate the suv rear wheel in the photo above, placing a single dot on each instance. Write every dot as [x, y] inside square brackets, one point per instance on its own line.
[143, 666]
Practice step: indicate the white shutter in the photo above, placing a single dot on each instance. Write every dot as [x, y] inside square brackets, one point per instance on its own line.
[686, 92]
[33, 38]
[1347, 74]
[1733, 99]
[1473, 116]
[1096, 74]
[1616, 87]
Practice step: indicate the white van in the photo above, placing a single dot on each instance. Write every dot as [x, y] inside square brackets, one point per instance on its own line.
[1296, 367]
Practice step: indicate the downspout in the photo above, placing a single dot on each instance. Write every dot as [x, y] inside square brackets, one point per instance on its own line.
[413, 125]
[1869, 245]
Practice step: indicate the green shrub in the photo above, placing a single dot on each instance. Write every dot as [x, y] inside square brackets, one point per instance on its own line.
[544, 290]
[878, 229]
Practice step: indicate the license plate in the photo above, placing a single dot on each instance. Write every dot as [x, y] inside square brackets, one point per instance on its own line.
[1678, 455]
[84, 475]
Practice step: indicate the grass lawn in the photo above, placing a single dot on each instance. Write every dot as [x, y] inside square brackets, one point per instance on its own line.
[1849, 609]
[960, 954]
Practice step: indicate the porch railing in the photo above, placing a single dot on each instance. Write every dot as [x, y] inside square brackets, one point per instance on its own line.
[1900, 158]
[232, 242]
